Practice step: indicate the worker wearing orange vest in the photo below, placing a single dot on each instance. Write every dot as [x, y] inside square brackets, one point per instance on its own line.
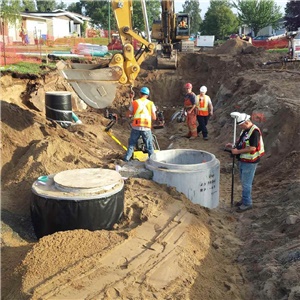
[143, 111]
[249, 148]
[205, 110]
[190, 108]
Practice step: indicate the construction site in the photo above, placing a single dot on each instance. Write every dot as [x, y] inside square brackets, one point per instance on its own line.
[163, 246]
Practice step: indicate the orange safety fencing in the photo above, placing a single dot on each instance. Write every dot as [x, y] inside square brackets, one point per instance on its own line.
[36, 52]
[12, 55]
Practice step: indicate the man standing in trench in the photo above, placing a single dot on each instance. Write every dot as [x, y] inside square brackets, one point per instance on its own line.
[249, 148]
[143, 111]
[205, 110]
[190, 108]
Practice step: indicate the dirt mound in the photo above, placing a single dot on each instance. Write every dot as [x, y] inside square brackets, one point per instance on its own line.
[164, 247]
[236, 46]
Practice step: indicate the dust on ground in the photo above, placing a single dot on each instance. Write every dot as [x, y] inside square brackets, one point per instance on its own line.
[164, 247]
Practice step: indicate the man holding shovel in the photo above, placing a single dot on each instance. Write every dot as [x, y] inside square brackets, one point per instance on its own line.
[248, 149]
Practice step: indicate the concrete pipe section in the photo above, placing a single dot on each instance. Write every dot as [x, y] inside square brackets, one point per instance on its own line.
[195, 173]
[90, 199]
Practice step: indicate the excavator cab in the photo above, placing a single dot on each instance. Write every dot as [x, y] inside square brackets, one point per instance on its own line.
[183, 26]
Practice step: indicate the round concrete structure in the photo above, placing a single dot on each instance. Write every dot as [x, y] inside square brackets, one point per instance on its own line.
[90, 199]
[195, 173]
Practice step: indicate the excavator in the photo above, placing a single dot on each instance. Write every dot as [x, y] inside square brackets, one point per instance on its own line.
[172, 32]
[97, 86]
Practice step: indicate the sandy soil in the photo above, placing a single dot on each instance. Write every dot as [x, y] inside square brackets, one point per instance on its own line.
[164, 247]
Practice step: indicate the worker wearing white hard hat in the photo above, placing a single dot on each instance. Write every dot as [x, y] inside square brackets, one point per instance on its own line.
[249, 148]
[205, 110]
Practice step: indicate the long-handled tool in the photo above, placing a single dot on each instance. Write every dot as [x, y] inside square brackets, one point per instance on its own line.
[233, 115]
[140, 153]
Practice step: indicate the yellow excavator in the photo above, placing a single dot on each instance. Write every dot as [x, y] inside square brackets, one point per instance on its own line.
[172, 32]
[97, 86]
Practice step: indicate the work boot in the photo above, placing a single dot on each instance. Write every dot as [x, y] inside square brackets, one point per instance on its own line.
[121, 162]
[243, 208]
[239, 203]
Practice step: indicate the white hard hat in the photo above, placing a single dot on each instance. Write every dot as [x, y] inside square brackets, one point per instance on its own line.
[242, 118]
[203, 89]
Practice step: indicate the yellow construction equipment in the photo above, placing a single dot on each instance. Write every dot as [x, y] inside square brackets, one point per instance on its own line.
[97, 87]
[172, 32]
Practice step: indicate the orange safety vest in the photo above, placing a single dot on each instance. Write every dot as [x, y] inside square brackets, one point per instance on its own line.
[258, 152]
[142, 111]
[203, 106]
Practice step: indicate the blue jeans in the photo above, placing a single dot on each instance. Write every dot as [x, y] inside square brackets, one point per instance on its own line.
[134, 136]
[247, 172]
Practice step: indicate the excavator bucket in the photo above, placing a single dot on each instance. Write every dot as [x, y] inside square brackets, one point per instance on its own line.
[96, 87]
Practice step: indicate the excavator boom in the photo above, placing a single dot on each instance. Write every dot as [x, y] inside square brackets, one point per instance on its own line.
[97, 87]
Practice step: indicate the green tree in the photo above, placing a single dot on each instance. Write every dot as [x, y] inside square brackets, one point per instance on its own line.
[98, 12]
[75, 7]
[292, 15]
[43, 6]
[61, 5]
[153, 13]
[219, 20]
[258, 14]
[28, 5]
[9, 14]
[192, 8]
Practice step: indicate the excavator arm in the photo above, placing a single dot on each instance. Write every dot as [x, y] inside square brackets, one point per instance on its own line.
[97, 87]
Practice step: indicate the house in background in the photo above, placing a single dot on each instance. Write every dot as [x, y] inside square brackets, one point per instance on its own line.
[266, 31]
[45, 25]
[32, 24]
[269, 30]
[62, 23]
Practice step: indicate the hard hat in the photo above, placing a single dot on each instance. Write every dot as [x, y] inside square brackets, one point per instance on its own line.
[188, 86]
[203, 89]
[144, 90]
[242, 118]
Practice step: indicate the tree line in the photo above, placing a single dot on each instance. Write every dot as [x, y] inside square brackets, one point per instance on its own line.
[219, 20]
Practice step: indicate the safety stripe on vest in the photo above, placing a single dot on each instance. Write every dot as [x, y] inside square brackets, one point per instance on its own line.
[260, 150]
[142, 116]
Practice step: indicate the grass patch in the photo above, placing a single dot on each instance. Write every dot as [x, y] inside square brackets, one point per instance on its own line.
[29, 68]
[283, 50]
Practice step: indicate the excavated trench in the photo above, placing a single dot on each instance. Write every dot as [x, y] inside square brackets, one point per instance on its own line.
[253, 256]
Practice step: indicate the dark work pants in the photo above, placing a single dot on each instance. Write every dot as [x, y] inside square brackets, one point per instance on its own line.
[202, 121]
